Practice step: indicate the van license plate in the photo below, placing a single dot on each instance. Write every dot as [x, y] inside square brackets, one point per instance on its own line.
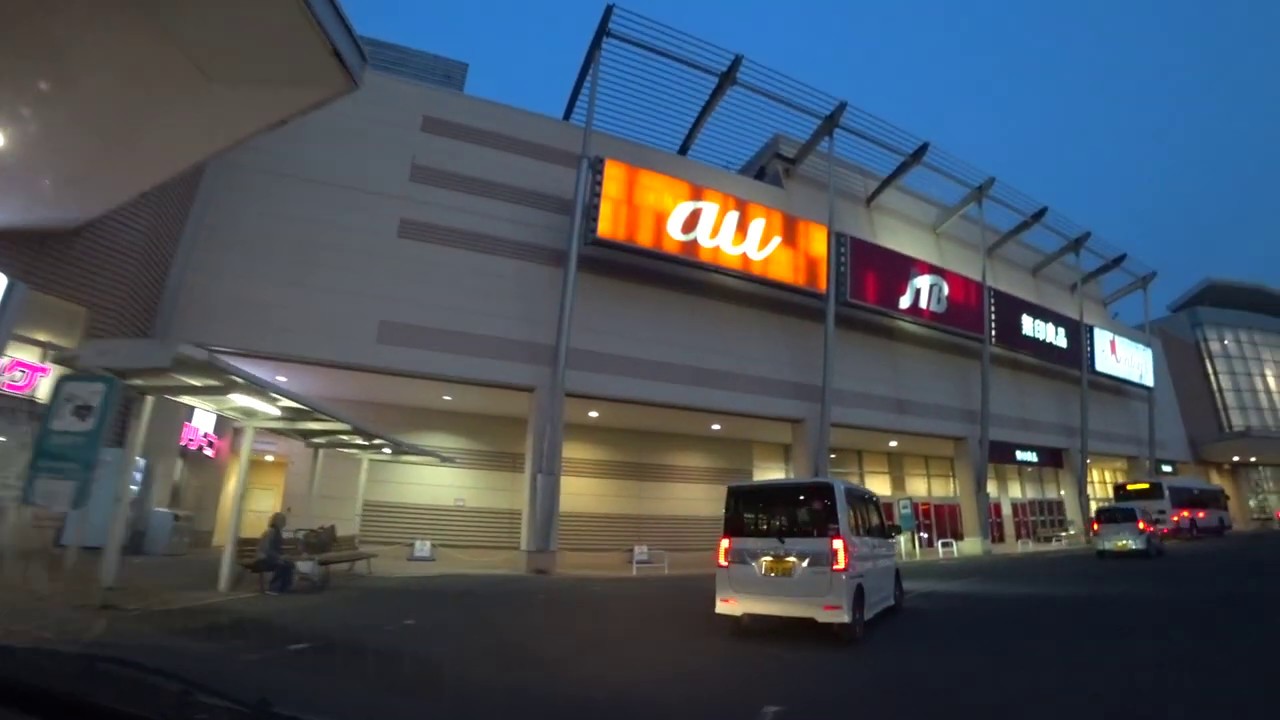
[777, 568]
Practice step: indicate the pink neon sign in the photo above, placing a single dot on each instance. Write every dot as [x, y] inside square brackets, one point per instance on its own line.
[20, 377]
[193, 438]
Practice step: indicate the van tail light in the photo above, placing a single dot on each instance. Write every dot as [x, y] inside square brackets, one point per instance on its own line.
[722, 553]
[1200, 514]
[1095, 526]
[1185, 513]
[1142, 525]
[839, 554]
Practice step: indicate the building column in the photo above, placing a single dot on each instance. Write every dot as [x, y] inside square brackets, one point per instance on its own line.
[362, 482]
[973, 496]
[1002, 475]
[540, 511]
[227, 566]
[1077, 495]
[117, 531]
[805, 436]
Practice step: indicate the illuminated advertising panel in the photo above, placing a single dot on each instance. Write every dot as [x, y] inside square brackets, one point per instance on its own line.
[1030, 329]
[1005, 453]
[666, 216]
[914, 289]
[1119, 357]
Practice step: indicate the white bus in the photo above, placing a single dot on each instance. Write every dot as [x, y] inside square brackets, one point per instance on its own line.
[1189, 506]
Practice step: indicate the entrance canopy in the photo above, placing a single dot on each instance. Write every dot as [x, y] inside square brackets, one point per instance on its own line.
[197, 377]
[102, 100]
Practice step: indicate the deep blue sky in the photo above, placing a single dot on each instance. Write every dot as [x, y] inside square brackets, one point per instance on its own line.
[1152, 122]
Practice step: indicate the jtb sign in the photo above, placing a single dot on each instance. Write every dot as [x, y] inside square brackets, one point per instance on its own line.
[904, 286]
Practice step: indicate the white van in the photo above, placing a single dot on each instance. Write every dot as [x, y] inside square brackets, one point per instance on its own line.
[817, 549]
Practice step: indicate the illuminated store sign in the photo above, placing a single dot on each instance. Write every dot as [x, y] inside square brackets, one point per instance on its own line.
[197, 433]
[1121, 358]
[1003, 453]
[1033, 330]
[22, 377]
[1166, 467]
[904, 286]
[647, 210]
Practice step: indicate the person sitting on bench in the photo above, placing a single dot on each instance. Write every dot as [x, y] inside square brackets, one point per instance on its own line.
[271, 556]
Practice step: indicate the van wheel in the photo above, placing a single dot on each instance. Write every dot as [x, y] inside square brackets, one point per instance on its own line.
[1102, 555]
[899, 596]
[1194, 530]
[1222, 527]
[856, 628]
[738, 625]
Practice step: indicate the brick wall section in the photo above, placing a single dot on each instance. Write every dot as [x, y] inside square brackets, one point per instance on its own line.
[116, 265]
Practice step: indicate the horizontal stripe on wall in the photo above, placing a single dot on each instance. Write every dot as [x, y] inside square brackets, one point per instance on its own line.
[473, 459]
[651, 472]
[606, 531]
[502, 142]
[459, 239]
[384, 523]
[468, 344]
[489, 189]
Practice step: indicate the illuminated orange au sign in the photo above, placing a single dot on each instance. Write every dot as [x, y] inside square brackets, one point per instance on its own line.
[651, 211]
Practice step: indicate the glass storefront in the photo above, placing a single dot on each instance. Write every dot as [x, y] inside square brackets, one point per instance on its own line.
[1104, 473]
[929, 481]
[1261, 485]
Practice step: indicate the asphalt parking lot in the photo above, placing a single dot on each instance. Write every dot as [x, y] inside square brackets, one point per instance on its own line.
[1043, 636]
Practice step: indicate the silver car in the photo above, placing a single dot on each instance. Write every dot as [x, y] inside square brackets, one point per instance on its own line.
[1118, 529]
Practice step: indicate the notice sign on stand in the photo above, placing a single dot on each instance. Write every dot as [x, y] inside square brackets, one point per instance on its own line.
[422, 550]
[66, 448]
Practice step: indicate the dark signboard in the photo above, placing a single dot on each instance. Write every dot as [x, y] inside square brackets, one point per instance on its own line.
[914, 289]
[1030, 329]
[1003, 453]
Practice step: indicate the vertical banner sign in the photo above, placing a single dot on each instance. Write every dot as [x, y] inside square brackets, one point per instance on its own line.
[66, 448]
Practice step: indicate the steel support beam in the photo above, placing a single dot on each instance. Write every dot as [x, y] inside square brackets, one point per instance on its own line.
[950, 214]
[824, 130]
[1139, 284]
[1016, 231]
[726, 81]
[1070, 247]
[1097, 273]
[588, 61]
[908, 164]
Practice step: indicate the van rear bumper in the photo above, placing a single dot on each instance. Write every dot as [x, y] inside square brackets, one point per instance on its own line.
[829, 609]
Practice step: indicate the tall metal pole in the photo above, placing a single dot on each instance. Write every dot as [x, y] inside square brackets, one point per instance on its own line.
[1082, 473]
[984, 381]
[1151, 394]
[546, 490]
[822, 459]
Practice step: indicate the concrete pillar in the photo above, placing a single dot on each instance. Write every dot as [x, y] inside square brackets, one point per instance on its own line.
[540, 512]
[1077, 496]
[362, 482]
[136, 435]
[227, 566]
[1006, 476]
[805, 437]
[973, 497]
[1070, 495]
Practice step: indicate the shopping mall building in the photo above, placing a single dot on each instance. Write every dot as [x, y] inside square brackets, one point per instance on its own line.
[1223, 342]
[399, 256]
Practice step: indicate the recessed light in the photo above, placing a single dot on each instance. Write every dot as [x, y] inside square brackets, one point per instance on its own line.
[715, 426]
[833, 454]
[446, 397]
[386, 450]
[893, 443]
[1235, 458]
[593, 413]
[1, 139]
[1226, 342]
[269, 458]
[281, 378]
[4, 439]
[1253, 459]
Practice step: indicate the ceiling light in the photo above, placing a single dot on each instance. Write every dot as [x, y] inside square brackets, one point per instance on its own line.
[715, 426]
[446, 397]
[281, 378]
[3, 439]
[833, 454]
[1253, 459]
[1235, 458]
[893, 443]
[386, 451]
[1, 139]
[253, 402]
[593, 413]
[269, 458]
[1226, 342]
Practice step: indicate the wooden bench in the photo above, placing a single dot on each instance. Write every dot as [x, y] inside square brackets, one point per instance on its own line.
[247, 557]
[346, 551]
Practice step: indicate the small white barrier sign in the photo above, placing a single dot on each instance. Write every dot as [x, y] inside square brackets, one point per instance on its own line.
[422, 550]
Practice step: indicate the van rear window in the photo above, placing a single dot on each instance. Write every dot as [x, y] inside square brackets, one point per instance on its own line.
[800, 510]
[1116, 516]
